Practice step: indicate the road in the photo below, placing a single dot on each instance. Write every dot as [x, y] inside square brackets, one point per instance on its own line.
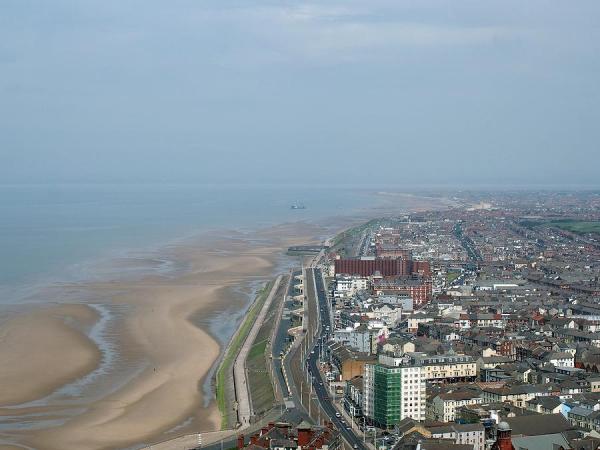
[467, 243]
[281, 336]
[314, 278]
[314, 395]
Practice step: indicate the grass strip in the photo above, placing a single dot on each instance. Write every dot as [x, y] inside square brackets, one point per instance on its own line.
[232, 351]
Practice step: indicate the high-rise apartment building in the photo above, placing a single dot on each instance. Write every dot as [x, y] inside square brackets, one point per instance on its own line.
[393, 391]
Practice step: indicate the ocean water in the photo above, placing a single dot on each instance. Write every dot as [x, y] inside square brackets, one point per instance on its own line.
[53, 237]
[54, 233]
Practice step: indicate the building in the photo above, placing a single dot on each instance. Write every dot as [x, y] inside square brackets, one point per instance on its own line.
[363, 338]
[403, 301]
[584, 418]
[366, 267]
[347, 286]
[503, 438]
[447, 368]
[282, 436]
[442, 407]
[539, 424]
[418, 288]
[388, 314]
[518, 395]
[418, 318]
[391, 252]
[349, 363]
[555, 441]
[547, 405]
[468, 434]
[359, 338]
[560, 359]
[481, 320]
[393, 392]
[353, 397]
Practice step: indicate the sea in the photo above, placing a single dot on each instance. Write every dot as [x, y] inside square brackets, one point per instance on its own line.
[54, 238]
[67, 232]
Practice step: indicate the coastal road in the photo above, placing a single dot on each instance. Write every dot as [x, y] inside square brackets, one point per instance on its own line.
[291, 411]
[281, 337]
[308, 391]
[319, 385]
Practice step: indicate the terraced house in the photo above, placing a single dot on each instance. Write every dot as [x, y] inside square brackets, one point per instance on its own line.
[447, 368]
[442, 407]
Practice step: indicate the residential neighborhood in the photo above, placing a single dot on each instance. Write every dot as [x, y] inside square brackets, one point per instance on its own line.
[471, 328]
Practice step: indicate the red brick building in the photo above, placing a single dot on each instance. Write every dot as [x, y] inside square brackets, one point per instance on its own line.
[503, 438]
[418, 288]
[386, 267]
[282, 436]
[391, 252]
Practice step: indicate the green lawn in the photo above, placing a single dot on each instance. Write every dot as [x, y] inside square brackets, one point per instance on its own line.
[234, 348]
[257, 349]
[577, 226]
[259, 379]
[451, 276]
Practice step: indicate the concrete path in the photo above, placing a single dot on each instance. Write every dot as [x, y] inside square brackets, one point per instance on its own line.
[192, 440]
[242, 393]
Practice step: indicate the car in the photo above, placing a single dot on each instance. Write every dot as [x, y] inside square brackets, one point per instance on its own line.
[355, 446]
[320, 383]
[337, 414]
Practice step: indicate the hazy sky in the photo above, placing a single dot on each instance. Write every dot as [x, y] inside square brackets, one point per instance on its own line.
[371, 91]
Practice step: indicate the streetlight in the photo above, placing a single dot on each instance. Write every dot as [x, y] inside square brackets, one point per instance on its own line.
[364, 430]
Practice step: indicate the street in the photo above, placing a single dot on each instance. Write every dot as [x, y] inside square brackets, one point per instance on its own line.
[319, 385]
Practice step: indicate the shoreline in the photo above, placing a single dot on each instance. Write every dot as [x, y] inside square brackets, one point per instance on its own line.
[222, 277]
[52, 331]
[214, 274]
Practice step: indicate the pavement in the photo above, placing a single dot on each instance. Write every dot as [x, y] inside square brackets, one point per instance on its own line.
[280, 339]
[194, 440]
[307, 397]
[290, 410]
[240, 376]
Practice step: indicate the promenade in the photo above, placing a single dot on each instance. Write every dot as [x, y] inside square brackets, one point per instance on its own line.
[240, 376]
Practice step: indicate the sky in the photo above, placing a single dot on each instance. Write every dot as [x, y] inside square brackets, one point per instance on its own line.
[349, 92]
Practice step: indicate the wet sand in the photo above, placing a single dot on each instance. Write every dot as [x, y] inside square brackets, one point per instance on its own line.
[70, 381]
[32, 352]
[155, 333]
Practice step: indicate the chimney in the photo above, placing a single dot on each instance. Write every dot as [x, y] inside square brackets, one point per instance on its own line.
[503, 438]
[240, 442]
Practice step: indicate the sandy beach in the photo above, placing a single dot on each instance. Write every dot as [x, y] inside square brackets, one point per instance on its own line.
[32, 344]
[123, 360]
[163, 332]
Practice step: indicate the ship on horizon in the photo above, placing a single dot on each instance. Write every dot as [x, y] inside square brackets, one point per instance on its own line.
[297, 205]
